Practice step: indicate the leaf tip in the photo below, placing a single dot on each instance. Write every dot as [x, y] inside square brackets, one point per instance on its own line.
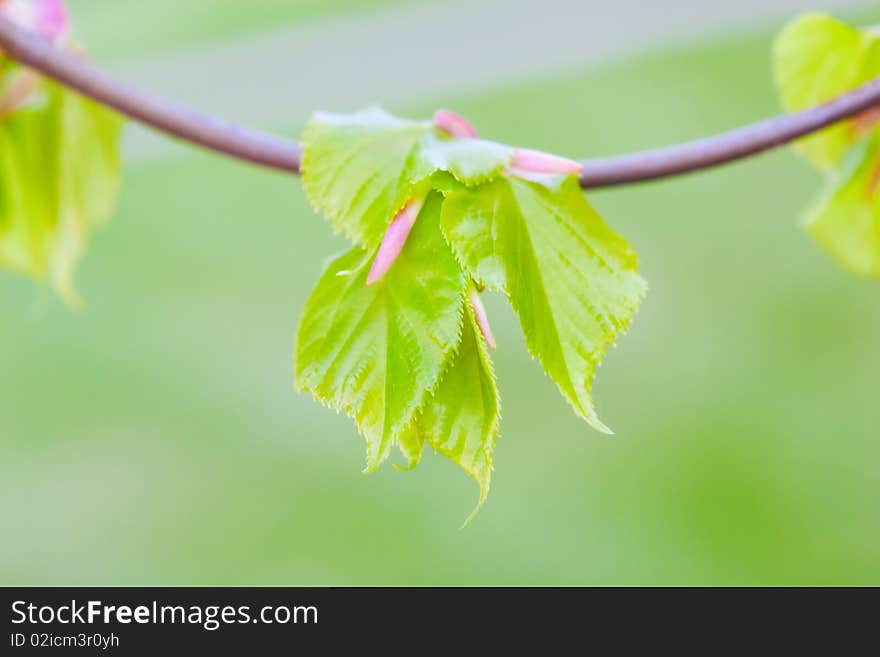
[594, 421]
[483, 483]
[372, 465]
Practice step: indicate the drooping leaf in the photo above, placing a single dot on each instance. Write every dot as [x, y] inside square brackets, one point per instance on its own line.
[817, 58]
[29, 189]
[375, 352]
[59, 179]
[461, 419]
[572, 281]
[360, 169]
[846, 221]
[90, 159]
[89, 181]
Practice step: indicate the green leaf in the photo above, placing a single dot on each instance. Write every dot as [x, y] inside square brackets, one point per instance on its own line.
[460, 420]
[360, 169]
[846, 221]
[817, 58]
[352, 169]
[90, 161]
[470, 161]
[572, 281]
[375, 352]
[59, 178]
[29, 190]
[90, 175]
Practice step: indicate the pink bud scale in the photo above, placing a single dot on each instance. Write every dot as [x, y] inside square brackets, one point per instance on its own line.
[482, 318]
[395, 238]
[454, 124]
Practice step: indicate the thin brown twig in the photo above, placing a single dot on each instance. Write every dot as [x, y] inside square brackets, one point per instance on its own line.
[276, 152]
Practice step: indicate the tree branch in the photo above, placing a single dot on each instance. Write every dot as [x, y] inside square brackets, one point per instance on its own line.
[172, 118]
[728, 146]
[276, 152]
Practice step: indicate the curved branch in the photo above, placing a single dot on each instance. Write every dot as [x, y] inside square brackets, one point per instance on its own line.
[268, 150]
[728, 146]
[172, 118]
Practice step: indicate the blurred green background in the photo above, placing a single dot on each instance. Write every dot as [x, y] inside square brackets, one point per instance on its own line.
[154, 437]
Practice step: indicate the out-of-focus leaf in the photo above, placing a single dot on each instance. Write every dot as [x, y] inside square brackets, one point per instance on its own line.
[817, 58]
[59, 178]
[846, 221]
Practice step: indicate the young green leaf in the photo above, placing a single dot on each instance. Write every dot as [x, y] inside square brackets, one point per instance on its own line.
[89, 181]
[360, 169]
[60, 178]
[375, 352]
[471, 161]
[846, 221]
[572, 281]
[29, 190]
[817, 58]
[352, 169]
[460, 420]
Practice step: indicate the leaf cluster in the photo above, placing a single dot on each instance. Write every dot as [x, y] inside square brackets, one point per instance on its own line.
[405, 357]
